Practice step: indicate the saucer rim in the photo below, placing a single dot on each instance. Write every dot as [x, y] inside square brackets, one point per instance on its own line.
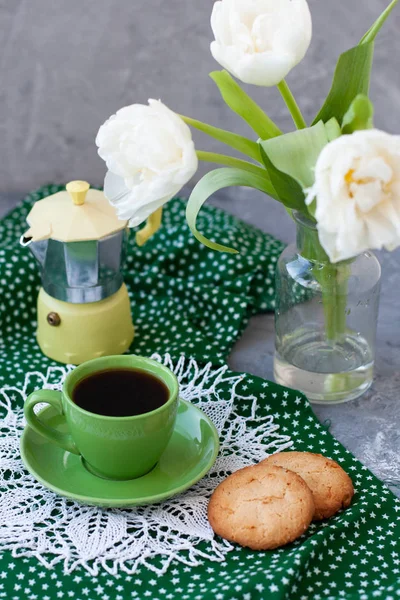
[123, 503]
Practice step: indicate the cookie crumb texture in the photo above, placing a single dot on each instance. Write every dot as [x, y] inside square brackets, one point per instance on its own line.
[332, 488]
[261, 507]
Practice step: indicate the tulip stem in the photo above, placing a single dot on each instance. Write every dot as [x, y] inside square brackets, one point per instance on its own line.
[292, 105]
[333, 284]
[231, 161]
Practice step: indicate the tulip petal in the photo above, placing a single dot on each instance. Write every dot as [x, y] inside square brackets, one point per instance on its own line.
[357, 190]
[150, 155]
[260, 41]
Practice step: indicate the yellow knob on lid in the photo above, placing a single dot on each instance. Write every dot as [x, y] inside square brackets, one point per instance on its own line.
[78, 190]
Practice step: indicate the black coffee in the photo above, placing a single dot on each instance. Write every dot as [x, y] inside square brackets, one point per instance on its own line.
[120, 393]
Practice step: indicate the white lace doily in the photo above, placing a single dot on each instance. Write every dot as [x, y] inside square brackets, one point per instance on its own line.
[36, 522]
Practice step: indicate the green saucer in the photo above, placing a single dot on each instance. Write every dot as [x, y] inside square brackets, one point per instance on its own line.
[189, 455]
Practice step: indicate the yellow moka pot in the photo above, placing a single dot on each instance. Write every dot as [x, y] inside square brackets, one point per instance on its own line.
[83, 305]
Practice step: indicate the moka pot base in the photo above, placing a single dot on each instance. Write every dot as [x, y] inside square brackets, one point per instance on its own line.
[74, 333]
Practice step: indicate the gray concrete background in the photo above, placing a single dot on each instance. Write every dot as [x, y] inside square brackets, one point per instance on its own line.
[66, 65]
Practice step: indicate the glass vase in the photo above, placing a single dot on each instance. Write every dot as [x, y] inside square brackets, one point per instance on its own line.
[325, 320]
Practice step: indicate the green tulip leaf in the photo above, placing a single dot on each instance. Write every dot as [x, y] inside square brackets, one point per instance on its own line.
[241, 103]
[217, 180]
[288, 190]
[237, 142]
[230, 161]
[377, 26]
[293, 157]
[359, 116]
[351, 78]
[333, 130]
[353, 73]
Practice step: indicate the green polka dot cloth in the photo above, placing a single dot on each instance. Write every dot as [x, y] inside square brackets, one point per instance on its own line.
[53, 549]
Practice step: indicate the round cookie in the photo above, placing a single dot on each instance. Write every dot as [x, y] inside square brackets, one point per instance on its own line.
[332, 488]
[261, 507]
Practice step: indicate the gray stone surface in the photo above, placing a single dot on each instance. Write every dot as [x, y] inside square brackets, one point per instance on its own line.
[66, 66]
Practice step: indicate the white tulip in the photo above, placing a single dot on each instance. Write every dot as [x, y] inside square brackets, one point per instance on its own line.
[357, 192]
[150, 156]
[260, 41]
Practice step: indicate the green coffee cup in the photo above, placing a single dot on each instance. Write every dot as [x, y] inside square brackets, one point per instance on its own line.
[111, 447]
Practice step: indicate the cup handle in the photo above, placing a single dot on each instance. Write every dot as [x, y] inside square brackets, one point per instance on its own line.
[53, 398]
